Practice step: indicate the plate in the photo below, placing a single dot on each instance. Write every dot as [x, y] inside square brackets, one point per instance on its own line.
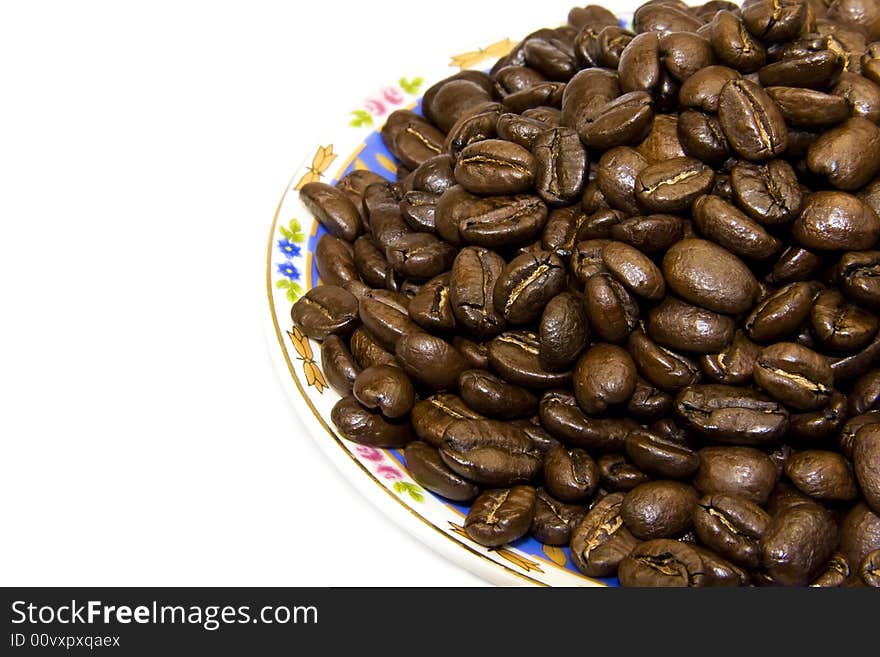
[381, 474]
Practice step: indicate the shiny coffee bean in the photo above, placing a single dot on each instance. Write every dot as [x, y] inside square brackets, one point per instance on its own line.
[611, 310]
[605, 375]
[752, 122]
[431, 416]
[659, 509]
[659, 365]
[472, 291]
[769, 193]
[340, 367]
[684, 327]
[733, 415]
[570, 475]
[634, 270]
[735, 364]
[662, 563]
[836, 221]
[723, 223]
[419, 256]
[821, 474]
[515, 355]
[430, 308]
[734, 45]
[554, 521]
[562, 417]
[325, 310]
[616, 176]
[495, 166]
[797, 543]
[602, 541]
[672, 185]
[859, 274]
[367, 427]
[835, 573]
[563, 331]
[500, 516]
[732, 526]
[742, 471]
[618, 474]
[491, 222]
[367, 351]
[335, 261]
[490, 452]
[494, 397]
[333, 208]
[661, 457]
[866, 463]
[847, 155]
[385, 388]
[794, 375]
[839, 325]
[561, 165]
[385, 315]
[526, 284]
[649, 233]
[429, 360]
[428, 469]
[782, 313]
[859, 533]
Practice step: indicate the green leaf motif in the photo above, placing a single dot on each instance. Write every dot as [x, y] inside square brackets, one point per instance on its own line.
[292, 295]
[412, 490]
[285, 233]
[282, 284]
[293, 233]
[361, 118]
[411, 86]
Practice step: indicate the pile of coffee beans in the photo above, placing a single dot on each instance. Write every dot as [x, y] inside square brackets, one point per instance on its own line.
[624, 294]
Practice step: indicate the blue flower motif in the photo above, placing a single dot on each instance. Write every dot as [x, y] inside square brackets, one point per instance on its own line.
[288, 248]
[287, 270]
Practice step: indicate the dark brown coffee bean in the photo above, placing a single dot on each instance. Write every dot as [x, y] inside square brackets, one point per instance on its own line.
[683, 327]
[662, 367]
[570, 475]
[340, 367]
[410, 138]
[815, 426]
[659, 509]
[526, 284]
[806, 108]
[604, 376]
[662, 563]
[427, 468]
[740, 471]
[733, 365]
[634, 270]
[367, 351]
[660, 456]
[432, 416]
[563, 331]
[489, 452]
[501, 516]
[649, 234]
[561, 165]
[430, 360]
[495, 166]
[734, 45]
[519, 129]
[769, 193]
[623, 121]
[732, 415]
[835, 573]
[672, 185]
[385, 388]
[472, 289]
[797, 544]
[794, 375]
[445, 102]
[662, 142]
[774, 21]
[859, 274]
[333, 209]
[869, 569]
[732, 526]
[865, 393]
[648, 402]
[475, 353]
[386, 317]
[477, 124]
[515, 355]
[665, 17]
[612, 312]
[419, 256]
[821, 474]
[367, 427]
[616, 176]
[335, 261]
[861, 95]
[618, 474]
[723, 223]
[708, 275]
[565, 227]
[325, 310]
[859, 533]
[782, 313]
[562, 417]
[601, 541]
[752, 122]
[702, 138]
[434, 176]
[430, 308]
[836, 221]
[866, 462]
[555, 521]
[839, 325]
[701, 90]
[492, 222]
[848, 155]
[493, 397]
[815, 70]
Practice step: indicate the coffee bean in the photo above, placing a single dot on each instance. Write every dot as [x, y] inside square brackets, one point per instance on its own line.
[797, 543]
[732, 526]
[494, 397]
[859, 274]
[774, 21]
[428, 469]
[602, 541]
[340, 367]
[335, 261]
[839, 325]
[325, 310]
[848, 155]
[500, 516]
[526, 284]
[734, 45]
[419, 256]
[664, 563]
[732, 415]
[386, 317]
[794, 375]
[836, 221]
[495, 166]
[562, 417]
[570, 475]
[431, 416]
[618, 474]
[604, 376]
[515, 355]
[333, 209]
[859, 533]
[611, 311]
[430, 360]
[634, 270]
[752, 122]
[866, 462]
[561, 165]
[367, 427]
[659, 509]
[822, 475]
[672, 185]
[769, 193]
[649, 233]
[563, 331]
[660, 456]
[869, 569]
[683, 327]
[367, 351]
[385, 388]
[723, 223]
[489, 452]
[735, 364]
[472, 291]
[616, 176]
[554, 521]
[835, 574]
[492, 222]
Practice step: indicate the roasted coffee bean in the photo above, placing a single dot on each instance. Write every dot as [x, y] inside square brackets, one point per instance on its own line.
[601, 541]
[325, 310]
[822, 475]
[719, 571]
[846, 441]
[562, 417]
[420, 256]
[472, 291]
[859, 275]
[662, 142]
[835, 573]
[500, 516]
[586, 260]
[386, 317]
[815, 70]
[733, 365]
[354, 185]
[730, 414]
[563, 331]
[740, 471]
[367, 351]
[865, 393]
[515, 355]
[839, 325]
[519, 129]
[526, 284]
[604, 376]
[794, 375]
[492, 222]
[618, 474]
[427, 468]
[665, 17]
[432, 416]
[335, 261]
[660, 456]
[782, 313]
[510, 79]
[672, 185]
[869, 569]
[859, 533]
[489, 452]
[702, 138]
[848, 155]
[410, 138]
[430, 308]
[429, 360]
[475, 353]
[836, 221]
[561, 165]
[570, 475]
[683, 327]
[731, 526]
[435, 175]
[795, 264]
[616, 176]
[648, 402]
[702, 90]
[587, 88]
[806, 108]
[554, 521]
[662, 367]
[734, 45]
[769, 193]
[333, 209]
[624, 121]
[367, 427]
[774, 21]
[340, 367]
[612, 312]
[752, 122]
[797, 544]
[370, 261]
[445, 102]
[495, 166]
[861, 95]
[708, 275]
[494, 397]
[866, 462]
[650, 234]
[418, 210]
[662, 563]
[659, 509]
[477, 124]
[385, 388]
[634, 270]
[564, 228]
[815, 426]
[719, 221]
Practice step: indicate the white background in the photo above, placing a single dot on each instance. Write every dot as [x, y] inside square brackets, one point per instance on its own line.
[144, 146]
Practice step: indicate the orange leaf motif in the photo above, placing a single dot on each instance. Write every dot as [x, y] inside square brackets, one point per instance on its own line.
[301, 344]
[314, 376]
[555, 554]
[321, 161]
[518, 560]
[474, 57]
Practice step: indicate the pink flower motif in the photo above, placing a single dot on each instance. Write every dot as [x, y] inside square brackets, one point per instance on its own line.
[388, 472]
[375, 107]
[369, 453]
[392, 95]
